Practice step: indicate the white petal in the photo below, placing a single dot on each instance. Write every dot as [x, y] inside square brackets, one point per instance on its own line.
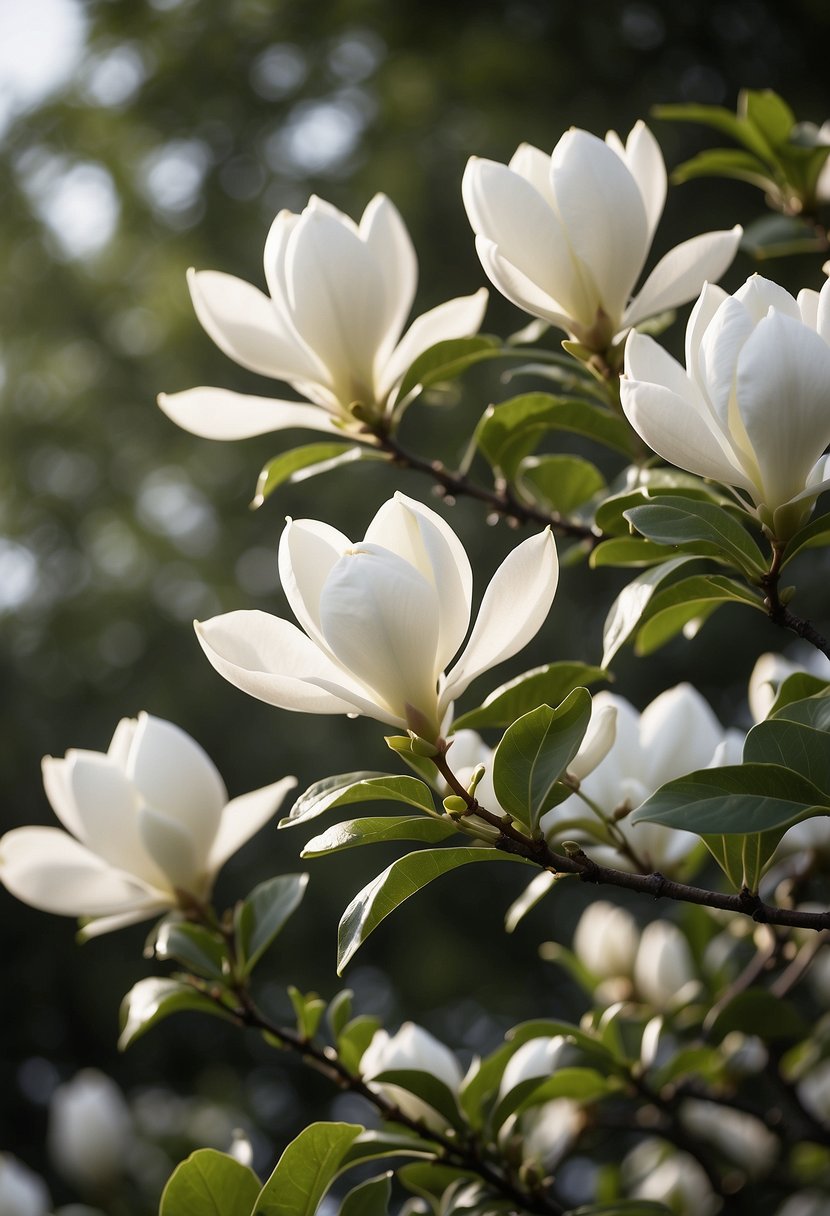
[307, 552]
[49, 870]
[758, 295]
[58, 787]
[273, 660]
[513, 609]
[217, 413]
[823, 314]
[646, 165]
[708, 303]
[534, 166]
[173, 849]
[603, 214]
[597, 743]
[678, 734]
[243, 817]
[679, 276]
[390, 245]
[121, 742]
[519, 290]
[276, 244]
[808, 307]
[177, 778]
[720, 347]
[244, 324]
[107, 809]
[107, 924]
[380, 617]
[458, 318]
[783, 385]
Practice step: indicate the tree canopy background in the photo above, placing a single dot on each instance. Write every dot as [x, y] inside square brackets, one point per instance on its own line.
[175, 133]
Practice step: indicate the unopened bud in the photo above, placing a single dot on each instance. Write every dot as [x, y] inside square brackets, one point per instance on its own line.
[455, 805]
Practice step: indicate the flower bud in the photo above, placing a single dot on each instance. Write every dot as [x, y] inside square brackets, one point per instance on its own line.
[89, 1130]
[22, 1192]
[606, 940]
[411, 1048]
[663, 967]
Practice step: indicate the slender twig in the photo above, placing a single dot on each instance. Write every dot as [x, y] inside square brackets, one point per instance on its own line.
[779, 613]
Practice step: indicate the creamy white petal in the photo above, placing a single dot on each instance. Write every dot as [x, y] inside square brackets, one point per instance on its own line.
[720, 346]
[107, 810]
[602, 211]
[646, 165]
[597, 743]
[390, 245]
[534, 166]
[458, 318]
[177, 778]
[823, 313]
[518, 288]
[783, 382]
[173, 849]
[513, 609]
[121, 742]
[218, 413]
[380, 617]
[678, 734]
[679, 276]
[244, 324]
[308, 550]
[506, 209]
[107, 924]
[49, 870]
[58, 786]
[708, 303]
[243, 817]
[758, 295]
[273, 660]
[274, 262]
[808, 307]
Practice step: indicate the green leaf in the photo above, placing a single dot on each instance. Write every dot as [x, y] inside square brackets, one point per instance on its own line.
[562, 483]
[374, 1145]
[755, 1008]
[354, 1038]
[775, 236]
[395, 885]
[308, 1010]
[623, 1207]
[736, 798]
[339, 1012]
[194, 946]
[680, 521]
[308, 461]
[743, 858]
[358, 787]
[629, 551]
[725, 162]
[428, 1088]
[445, 361]
[812, 711]
[723, 120]
[210, 1183]
[376, 830]
[534, 892]
[691, 599]
[792, 745]
[769, 114]
[534, 753]
[155, 998]
[627, 610]
[580, 1084]
[546, 685]
[816, 533]
[651, 485]
[510, 431]
[797, 687]
[306, 1169]
[370, 1198]
[259, 918]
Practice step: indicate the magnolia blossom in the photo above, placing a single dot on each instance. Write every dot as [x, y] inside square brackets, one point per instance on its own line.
[664, 972]
[676, 734]
[413, 1048]
[339, 296]
[22, 1191]
[606, 939]
[750, 409]
[565, 237]
[148, 825]
[536, 1059]
[90, 1129]
[381, 619]
[739, 1136]
[658, 1172]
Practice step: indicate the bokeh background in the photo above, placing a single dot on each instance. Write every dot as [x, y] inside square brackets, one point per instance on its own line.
[140, 137]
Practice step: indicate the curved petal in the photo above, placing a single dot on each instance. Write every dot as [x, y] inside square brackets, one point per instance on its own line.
[782, 387]
[645, 163]
[380, 618]
[678, 734]
[308, 550]
[602, 211]
[505, 208]
[274, 263]
[679, 276]
[244, 324]
[121, 742]
[513, 609]
[107, 811]
[458, 318]
[533, 165]
[708, 303]
[49, 870]
[390, 245]
[518, 289]
[177, 778]
[758, 295]
[58, 787]
[174, 851]
[107, 924]
[243, 817]
[271, 659]
[823, 311]
[218, 413]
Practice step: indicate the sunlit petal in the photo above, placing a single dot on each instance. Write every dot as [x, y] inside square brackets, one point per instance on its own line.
[218, 413]
[244, 816]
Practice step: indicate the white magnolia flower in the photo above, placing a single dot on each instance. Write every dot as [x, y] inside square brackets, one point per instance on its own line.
[381, 619]
[414, 1048]
[89, 1129]
[676, 734]
[340, 294]
[750, 409]
[148, 824]
[658, 1172]
[606, 940]
[22, 1192]
[739, 1136]
[549, 1130]
[565, 237]
[536, 1059]
[664, 972]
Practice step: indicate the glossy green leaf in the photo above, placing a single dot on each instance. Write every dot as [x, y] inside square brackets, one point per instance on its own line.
[816, 533]
[376, 830]
[395, 885]
[259, 918]
[743, 859]
[428, 1088]
[651, 485]
[671, 609]
[736, 798]
[358, 787]
[375, 1145]
[210, 1183]
[757, 1008]
[721, 119]
[445, 361]
[194, 946]
[548, 685]
[511, 431]
[768, 113]
[308, 1010]
[306, 1169]
[370, 1198]
[681, 521]
[792, 745]
[813, 711]
[534, 753]
[308, 461]
[627, 610]
[562, 483]
[155, 998]
[339, 1012]
[354, 1038]
[579, 1084]
[629, 551]
[725, 162]
[797, 687]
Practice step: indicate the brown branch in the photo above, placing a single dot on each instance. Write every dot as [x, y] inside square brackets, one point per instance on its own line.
[779, 613]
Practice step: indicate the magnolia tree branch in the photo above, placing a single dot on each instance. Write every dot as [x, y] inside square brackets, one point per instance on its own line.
[779, 613]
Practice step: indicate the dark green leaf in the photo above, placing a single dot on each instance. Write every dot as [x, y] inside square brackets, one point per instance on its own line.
[155, 998]
[797, 687]
[629, 551]
[308, 1010]
[725, 162]
[546, 685]
[769, 114]
[194, 946]
[259, 918]
[428, 1088]
[397, 882]
[379, 829]
[581, 1084]
[370, 1198]
[812, 711]
[305, 1170]
[209, 1183]
[627, 610]
[358, 787]
[758, 1009]
[691, 599]
[534, 753]
[792, 745]
[354, 1038]
[651, 485]
[562, 483]
[374, 1145]
[816, 533]
[723, 120]
[339, 1012]
[681, 521]
[300, 463]
[446, 360]
[779, 236]
[744, 858]
[510, 431]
